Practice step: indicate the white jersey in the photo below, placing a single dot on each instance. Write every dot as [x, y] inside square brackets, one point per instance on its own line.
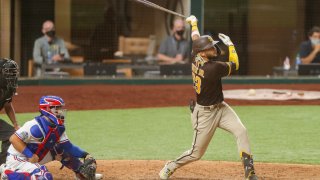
[32, 133]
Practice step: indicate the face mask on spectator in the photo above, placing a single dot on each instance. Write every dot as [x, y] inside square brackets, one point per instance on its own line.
[180, 33]
[51, 33]
[315, 41]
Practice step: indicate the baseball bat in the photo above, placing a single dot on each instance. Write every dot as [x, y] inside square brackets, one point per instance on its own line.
[155, 6]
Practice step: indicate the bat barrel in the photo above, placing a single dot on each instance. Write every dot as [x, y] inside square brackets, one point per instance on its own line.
[155, 6]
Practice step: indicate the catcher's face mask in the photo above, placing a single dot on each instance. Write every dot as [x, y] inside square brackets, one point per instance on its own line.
[53, 108]
[59, 112]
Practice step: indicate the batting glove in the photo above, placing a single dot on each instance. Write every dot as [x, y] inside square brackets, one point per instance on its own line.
[225, 39]
[192, 20]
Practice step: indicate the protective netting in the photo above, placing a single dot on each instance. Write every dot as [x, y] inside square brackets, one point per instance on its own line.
[264, 32]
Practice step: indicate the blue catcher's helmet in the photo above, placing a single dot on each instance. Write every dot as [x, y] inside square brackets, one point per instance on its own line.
[52, 108]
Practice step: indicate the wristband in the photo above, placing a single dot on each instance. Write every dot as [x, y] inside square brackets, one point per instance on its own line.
[195, 33]
[27, 152]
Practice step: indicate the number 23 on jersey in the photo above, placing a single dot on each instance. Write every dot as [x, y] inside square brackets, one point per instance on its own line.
[197, 73]
[196, 83]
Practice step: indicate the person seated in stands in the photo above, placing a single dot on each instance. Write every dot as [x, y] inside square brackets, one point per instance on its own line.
[175, 48]
[309, 50]
[49, 48]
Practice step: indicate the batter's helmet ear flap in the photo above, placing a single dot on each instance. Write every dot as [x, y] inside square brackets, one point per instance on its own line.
[219, 51]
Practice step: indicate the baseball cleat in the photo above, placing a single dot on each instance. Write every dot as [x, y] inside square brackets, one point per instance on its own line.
[248, 166]
[166, 172]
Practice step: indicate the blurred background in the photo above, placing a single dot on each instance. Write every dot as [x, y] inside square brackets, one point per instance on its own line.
[265, 32]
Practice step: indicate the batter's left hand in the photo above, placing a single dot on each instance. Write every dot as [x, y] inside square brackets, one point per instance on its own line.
[225, 39]
[192, 20]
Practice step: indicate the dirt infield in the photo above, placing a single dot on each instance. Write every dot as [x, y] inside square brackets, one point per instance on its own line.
[204, 170]
[87, 97]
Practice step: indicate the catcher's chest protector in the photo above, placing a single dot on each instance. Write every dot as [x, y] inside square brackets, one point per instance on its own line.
[49, 136]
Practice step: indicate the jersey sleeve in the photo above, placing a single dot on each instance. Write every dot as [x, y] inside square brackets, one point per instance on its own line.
[24, 133]
[74, 150]
[222, 69]
[64, 138]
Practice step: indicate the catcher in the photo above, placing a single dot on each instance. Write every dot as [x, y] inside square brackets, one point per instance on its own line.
[210, 111]
[42, 140]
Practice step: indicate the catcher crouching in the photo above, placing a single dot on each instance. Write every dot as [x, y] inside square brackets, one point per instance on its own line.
[42, 140]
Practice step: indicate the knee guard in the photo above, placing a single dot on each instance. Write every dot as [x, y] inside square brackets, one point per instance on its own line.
[71, 162]
[13, 175]
[68, 160]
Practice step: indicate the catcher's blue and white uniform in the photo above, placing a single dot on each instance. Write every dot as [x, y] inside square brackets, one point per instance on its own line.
[47, 139]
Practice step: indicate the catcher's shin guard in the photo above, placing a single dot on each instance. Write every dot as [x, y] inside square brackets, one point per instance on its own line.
[67, 160]
[72, 163]
[41, 173]
[248, 166]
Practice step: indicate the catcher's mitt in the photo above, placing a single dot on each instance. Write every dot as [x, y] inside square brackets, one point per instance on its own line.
[88, 169]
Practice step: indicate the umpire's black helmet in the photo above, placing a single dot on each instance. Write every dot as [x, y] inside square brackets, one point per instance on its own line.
[203, 43]
[9, 71]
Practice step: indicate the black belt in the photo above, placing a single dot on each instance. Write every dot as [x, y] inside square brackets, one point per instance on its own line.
[208, 108]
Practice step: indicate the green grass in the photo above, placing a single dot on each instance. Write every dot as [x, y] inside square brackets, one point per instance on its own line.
[288, 134]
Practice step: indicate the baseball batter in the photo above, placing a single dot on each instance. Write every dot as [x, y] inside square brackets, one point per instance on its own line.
[42, 140]
[210, 111]
[8, 85]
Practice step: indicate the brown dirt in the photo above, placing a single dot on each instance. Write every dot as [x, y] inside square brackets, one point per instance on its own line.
[87, 97]
[204, 170]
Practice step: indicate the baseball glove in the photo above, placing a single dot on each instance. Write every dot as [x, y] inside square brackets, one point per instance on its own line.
[88, 169]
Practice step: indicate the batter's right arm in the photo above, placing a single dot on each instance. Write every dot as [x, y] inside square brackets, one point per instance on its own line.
[193, 21]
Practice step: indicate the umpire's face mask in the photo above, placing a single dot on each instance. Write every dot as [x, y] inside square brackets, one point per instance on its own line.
[51, 33]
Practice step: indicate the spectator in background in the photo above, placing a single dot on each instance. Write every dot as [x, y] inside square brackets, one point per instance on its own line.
[174, 49]
[49, 48]
[309, 50]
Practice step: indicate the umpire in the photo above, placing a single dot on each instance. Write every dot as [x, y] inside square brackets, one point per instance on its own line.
[8, 85]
